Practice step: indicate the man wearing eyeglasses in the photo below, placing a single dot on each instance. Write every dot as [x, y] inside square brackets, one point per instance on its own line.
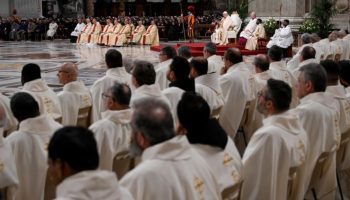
[75, 94]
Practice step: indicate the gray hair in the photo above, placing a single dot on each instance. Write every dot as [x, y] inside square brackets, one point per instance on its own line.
[153, 118]
[306, 38]
[184, 51]
[316, 74]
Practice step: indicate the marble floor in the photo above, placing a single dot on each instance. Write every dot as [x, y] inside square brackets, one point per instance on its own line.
[49, 55]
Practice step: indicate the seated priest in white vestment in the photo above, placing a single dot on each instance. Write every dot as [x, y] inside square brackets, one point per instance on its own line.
[279, 146]
[75, 94]
[278, 70]
[344, 75]
[52, 29]
[122, 37]
[248, 30]
[307, 56]
[36, 86]
[11, 122]
[237, 23]
[8, 172]
[73, 161]
[318, 112]
[306, 40]
[185, 51]
[210, 140]
[151, 36]
[180, 82]
[94, 34]
[207, 84]
[138, 32]
[218, 35]
[227, 25]
[338, 92]
[77, 31]
[113, 131]
[170, 168]
[166, 56]
[83, 35]
[107, 38]
[29, 145]
[259, 33]
[107, 29]
[116, 72]
[238, 87]
[283, 38]
[215, 62]
[144, 80]
[338, 47]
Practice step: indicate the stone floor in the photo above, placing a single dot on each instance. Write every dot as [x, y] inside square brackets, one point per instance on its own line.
[49, 55]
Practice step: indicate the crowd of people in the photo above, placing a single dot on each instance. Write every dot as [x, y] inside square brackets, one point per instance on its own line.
[181, 120]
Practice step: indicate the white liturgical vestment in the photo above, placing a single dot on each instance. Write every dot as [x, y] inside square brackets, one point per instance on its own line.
[92, 185]
[145, 91]
[283, 38]
[11, 122]
[29, 147]
[47, 99]
[78, 29]
[161, 71]
[112, 134]
[174, 95]
[293, 63]
[215, 64]
[52, 29]
[319, 116]
[274, 149]
[75, 95]
[249, 29]
[238, 87]
[102, 85]
[225, 164]
[172, 170]
[8, 173]
[208, 87]
[296, 71]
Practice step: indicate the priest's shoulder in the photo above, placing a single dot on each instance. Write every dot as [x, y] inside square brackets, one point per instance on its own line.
[148, 170]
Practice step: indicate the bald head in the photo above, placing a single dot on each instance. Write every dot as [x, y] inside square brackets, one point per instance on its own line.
[261, 62]
[67, 73]
[341, 34]
[253, 15]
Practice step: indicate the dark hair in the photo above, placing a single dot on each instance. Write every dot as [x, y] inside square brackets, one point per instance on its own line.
[180, 67]
[200, 64]
[286, 20]
[169, 51]
[258, 21]
[308, 53]
[210, 48]
[153, 118]
[275, 53]
[24, 106]
[280, 93]
[234, 55]
[121, 93]
[262, 63]
[316, 74]
[144, 73]
[30, 72]
[113, 58]
[332, 70]
[76, 146]
[194, 114]
[184, 51]
[344, 66]
[306, 38]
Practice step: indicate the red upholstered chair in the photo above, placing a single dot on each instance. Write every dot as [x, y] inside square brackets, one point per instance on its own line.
[262, 42]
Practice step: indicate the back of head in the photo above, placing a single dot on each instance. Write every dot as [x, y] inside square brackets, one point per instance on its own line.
[30, 72]
[144, 73]
[113, 59]
[234, 55]
[75, 146]
[332, 70]
[315, 73]
[344, 73]
[308, 53]
[121, 93]
[24, 106]
[200, 64]
[184, 51]
[275, 53]
[169, 51]
[210, 48]
[306, 38]
[258, 21]
[153, 118]
[262, 62]
[280, 94]
[180, 67]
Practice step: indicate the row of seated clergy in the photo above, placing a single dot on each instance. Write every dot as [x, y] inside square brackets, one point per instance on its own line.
[90, 33]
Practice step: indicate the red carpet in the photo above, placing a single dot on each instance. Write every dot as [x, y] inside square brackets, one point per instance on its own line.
[197, 48]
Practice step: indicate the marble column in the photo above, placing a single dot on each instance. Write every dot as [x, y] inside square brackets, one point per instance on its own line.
[89, 8]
